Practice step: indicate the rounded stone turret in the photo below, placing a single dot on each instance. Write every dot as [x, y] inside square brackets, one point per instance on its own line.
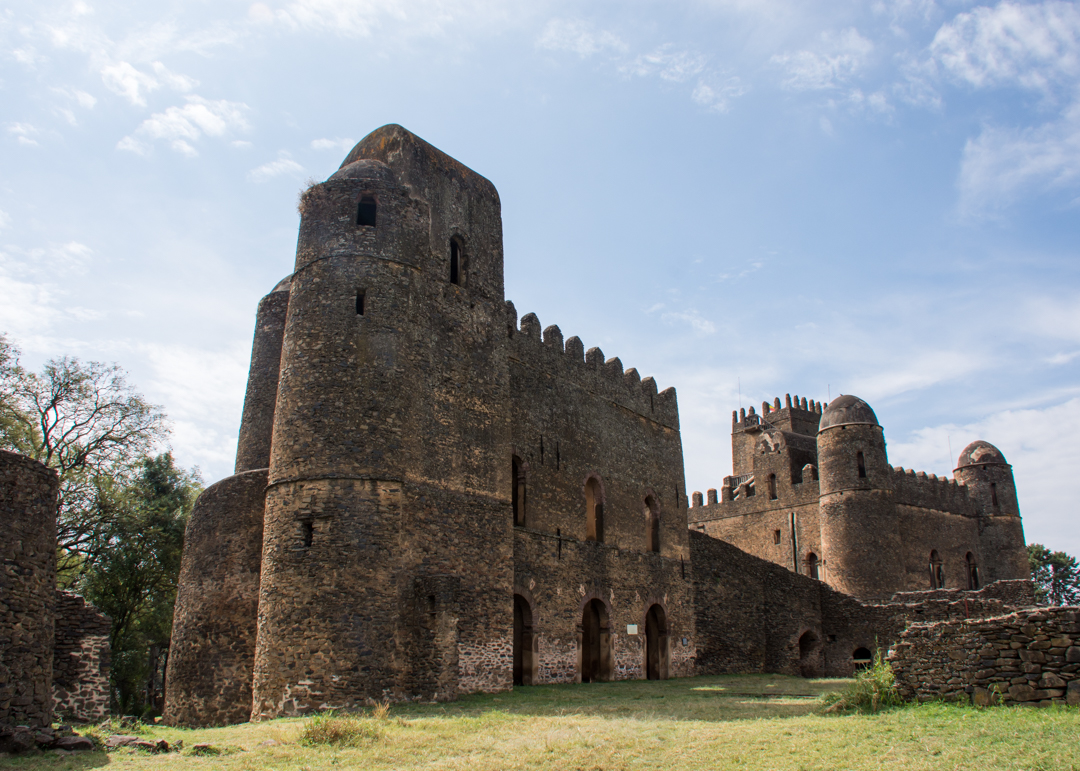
[860, 539]
[387, 548]
[257, 423]
[982, 468]
[28, 493]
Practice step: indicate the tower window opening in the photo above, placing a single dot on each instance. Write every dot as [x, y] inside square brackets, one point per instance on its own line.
[776, 536]
[772, 487]
[431, 604]
[517, 493]
[307, 533]
[455, 261]
[993, 494]
[359, 302]
[594, 511]
[365, 212]
[937, 571]
[862, 464]
[972, 571]
[652, 525]
[812, 563]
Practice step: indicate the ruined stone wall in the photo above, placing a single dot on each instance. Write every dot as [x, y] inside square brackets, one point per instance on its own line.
[558, 575]
[208, 680]
[1028, 657]
[81, 660]
[28, 493]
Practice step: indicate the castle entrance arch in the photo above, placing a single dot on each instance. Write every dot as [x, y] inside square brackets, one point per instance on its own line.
[525, 658]
[810, 655]
[657, 644]
[595, 643]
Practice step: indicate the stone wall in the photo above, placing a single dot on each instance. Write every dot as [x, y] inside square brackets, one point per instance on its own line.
[1029, 657]
[81, 660]
[28, 493]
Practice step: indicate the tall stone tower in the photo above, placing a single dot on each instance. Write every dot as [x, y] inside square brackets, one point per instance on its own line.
[860, 539]
[387, 552]
[989, 479]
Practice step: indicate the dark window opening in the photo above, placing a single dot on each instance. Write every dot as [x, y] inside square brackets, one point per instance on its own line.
[972, 571]
[993, 493]
[360, 302]
[455, 261]
[558, 458]
[307, 533]
[541, 451]
[812, 566]
[558, 536]
[517, 492]
[431, 604]
[365, 212]
[652, 524]
[863, 658]
[862, 464]
[772, 487]
[594, 511]
[937, 571]
[776, 536]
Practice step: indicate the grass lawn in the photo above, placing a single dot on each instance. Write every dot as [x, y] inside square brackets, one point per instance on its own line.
[731, 722]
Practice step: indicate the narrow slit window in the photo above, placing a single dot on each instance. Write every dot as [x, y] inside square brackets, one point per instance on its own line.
[862, 464]
[993, 493]
[776, 536]
[360, 302]
[455, 261]
[772, 487]
[365, 212]
[307, 533]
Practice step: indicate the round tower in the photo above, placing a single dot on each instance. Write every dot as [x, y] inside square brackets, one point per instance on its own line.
[860, 539]
[988, 477]
[386, 566]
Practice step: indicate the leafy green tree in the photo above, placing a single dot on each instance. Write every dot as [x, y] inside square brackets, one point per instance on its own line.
[134, 576]
[85, 421]
[1056, 576]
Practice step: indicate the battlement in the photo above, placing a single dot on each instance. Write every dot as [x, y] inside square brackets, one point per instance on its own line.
[929, 491]
[567, 358]
[800, 415]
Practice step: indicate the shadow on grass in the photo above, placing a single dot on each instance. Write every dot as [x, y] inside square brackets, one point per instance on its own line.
[724, 697]
[69, 762]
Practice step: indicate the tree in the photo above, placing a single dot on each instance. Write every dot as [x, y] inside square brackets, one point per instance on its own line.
[1056, 576]
[85, 421]
[134, 577]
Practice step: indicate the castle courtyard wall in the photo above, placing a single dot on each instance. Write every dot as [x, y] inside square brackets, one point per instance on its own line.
[81, 660]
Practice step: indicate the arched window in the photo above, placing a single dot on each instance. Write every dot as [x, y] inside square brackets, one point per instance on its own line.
[365, 212]
[652, 524]
[457, 261]
[812, 566]
[517, 492]
[772, 487]
[972, 571]
[862, 464]
[862, 658]
[594, 510]
[937, 571]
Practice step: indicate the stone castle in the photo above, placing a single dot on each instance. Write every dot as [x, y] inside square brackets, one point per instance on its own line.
[433, 498]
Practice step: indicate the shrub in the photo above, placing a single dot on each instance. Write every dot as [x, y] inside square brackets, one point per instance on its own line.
[342, 730]
[873, 689]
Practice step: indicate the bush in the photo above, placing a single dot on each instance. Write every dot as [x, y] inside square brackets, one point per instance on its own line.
[342, 730]
[873, 689]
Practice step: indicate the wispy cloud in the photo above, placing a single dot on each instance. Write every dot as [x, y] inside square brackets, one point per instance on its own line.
[24, 133]
[332, 144]
[578, 37]
[837, 58]
[668, 62]
[182, 125]
[283, 165]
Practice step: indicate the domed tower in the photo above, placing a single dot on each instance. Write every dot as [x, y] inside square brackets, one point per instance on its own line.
[860, 539]
[387, 549]
[982, 468]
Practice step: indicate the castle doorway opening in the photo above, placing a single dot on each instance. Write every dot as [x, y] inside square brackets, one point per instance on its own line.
[595, 643]
[862, 658]
[524, 654]
[812, 564]
[809, 655]
[657, 644]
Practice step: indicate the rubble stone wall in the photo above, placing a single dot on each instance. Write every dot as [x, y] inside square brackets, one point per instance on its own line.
[81, 660]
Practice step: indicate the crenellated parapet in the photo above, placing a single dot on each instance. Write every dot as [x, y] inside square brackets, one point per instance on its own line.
[566, 358]
[929, 491]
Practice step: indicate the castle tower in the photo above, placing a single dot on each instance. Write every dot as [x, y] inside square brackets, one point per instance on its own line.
[982, 468]
[387, 551]
[860, 540]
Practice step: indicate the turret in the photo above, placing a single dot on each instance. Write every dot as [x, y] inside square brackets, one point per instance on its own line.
[387, 552]
[982, 468]
[860, 539]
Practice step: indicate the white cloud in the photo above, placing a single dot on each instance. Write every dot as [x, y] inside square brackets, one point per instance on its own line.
[27, 55]
[578, 37]
[715, 93]
[699, 323]
[177, 82]
[1029, 45]
[5, 221]
[283, 165]
[123, 79]
[916, 371]
[839, 58]
[182, 125]
[1001, 164]
[332, 144]
[25, 133]
[362, 18]
[677, 66]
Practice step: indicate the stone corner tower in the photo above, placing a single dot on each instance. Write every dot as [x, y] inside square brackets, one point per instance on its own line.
[387, 551]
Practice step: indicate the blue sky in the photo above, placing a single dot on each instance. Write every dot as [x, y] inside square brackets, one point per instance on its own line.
[741, 199]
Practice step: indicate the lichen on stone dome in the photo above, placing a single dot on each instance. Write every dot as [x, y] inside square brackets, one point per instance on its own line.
[845, 410]
[979, 453]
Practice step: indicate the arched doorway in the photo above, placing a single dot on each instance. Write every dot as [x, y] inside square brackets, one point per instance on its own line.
[862, 658]
[809, 655]
[524, 643]
[595, 643]
[812, 566]
[657, 646]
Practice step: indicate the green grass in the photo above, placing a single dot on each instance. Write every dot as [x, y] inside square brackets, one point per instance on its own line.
[734, 722]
